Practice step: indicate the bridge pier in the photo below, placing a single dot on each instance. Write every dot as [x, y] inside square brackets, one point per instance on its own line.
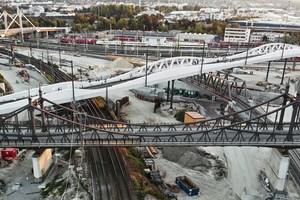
[283, 72]
[32, 120]
[41, 102]
[172, 93]
[41, 162]
[268, 70]
[168, 92]
[277, 169]
[285, 98]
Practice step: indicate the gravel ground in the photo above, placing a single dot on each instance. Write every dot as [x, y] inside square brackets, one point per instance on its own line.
[242, 164]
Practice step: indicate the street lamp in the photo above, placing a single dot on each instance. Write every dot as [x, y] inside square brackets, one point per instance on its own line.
[202, 57]
[85, 41]
[248, 47]
[284, 41]
[47, 37]
[137, 44]
[122, 41]
[146, 67]
[37, 41]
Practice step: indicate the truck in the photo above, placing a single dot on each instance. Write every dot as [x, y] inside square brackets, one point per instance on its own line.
[187, 185]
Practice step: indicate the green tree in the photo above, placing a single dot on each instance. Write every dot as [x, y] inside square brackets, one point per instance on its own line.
[219, 31]
[200, 28]
[144, 22]
[77, 28]
[122, 23]
[154, 21]
[132, 24]
[265, 38]
[163, 28]
[112, 22]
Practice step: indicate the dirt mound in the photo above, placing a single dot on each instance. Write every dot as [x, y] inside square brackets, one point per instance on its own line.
[196, 159]
[121, 63]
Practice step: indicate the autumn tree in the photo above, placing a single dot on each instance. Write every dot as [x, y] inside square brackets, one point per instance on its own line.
[122, 23]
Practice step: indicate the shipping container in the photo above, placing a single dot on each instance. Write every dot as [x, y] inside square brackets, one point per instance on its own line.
[187, 185]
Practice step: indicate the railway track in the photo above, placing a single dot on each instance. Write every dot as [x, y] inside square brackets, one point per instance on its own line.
[295, 166]
[116, 174]
[104, 163]
[110, 181]
[294, 154]
[100, 184]
[59, 75]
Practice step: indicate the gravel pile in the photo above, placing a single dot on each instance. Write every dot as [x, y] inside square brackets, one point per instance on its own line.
[196, 159]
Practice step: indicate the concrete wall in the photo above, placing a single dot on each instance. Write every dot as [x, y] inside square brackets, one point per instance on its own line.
[41, 162]
[277, 169]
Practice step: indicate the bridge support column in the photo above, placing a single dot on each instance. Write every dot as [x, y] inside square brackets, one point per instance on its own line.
[168, 92]
[106, 95]
[42, 162]
[294, 63]
[285, 97]
[283, 72]
[5, 18]
[268, 70]
[21, 25]
[47, 36]
[44, 129]
[295, 115]
[247, 52]
[146, 69]
[118, 107]
[32, 120]
[172, 93]
[229, 91]
[278, 166]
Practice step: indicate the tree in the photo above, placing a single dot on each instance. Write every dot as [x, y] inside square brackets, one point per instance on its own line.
[77, 28]
[199, 28]
[215, 25]
[144, 22]
[154, 21]
[112, 22]
[219, 31]
[132, 24]
[122, 23]
[265, 38]
[163, 28]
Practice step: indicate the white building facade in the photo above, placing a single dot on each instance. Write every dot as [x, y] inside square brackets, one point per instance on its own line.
[237, 35]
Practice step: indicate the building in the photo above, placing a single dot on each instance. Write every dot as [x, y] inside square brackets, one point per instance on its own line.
[192, 116]
[237, 35]
[195, 37]
[267, 36]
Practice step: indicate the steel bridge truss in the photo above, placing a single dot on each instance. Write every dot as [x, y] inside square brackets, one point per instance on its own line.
[264, 49]
[60, 126]
[220, 84]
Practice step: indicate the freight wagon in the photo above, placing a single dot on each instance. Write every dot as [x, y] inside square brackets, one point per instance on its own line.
[187, 185]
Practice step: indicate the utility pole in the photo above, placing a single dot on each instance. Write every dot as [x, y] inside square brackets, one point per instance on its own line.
[146, 68]
[202, 58]
[248, 48]
[72, 74]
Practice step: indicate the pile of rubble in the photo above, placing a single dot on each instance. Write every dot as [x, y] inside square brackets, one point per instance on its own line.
[196, 159]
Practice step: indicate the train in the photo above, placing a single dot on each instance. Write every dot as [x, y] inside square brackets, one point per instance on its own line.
[222, 44]
[135, 42]
[78, 38]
